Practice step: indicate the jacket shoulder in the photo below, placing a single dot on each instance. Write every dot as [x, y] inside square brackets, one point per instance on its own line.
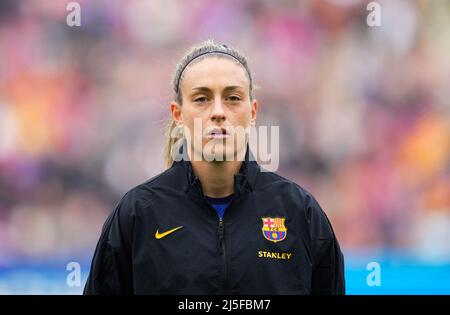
[141, 194]
[275, 182]
[299, 199]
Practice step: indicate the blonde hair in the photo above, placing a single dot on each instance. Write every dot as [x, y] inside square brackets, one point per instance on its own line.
[195, 54]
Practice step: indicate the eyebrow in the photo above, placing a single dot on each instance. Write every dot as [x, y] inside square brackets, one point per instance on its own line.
[206, 89]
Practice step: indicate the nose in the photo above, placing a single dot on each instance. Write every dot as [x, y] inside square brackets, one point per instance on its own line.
[218, 112]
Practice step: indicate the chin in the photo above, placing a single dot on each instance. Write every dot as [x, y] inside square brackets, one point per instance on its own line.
[219, 153]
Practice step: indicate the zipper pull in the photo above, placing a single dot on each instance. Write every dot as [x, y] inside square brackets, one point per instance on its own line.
[220, 231]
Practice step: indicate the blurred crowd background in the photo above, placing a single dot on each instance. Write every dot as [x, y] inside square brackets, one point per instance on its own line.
[364, 116]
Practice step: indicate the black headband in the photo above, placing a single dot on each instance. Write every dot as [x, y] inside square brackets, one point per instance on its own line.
[205, 53]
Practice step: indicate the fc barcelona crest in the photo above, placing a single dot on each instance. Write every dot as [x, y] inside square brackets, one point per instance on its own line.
[273, 229]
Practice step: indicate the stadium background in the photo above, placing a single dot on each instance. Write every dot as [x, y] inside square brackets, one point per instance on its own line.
[364, 116]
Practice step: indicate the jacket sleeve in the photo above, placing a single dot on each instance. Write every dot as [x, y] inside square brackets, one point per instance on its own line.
[328, 260]
[111, 267]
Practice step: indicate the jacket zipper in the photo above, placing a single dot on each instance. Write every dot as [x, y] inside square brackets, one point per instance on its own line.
[221, 235]
[222, 251]
[221, 247]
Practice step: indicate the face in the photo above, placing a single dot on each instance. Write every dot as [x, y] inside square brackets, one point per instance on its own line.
[216, 111]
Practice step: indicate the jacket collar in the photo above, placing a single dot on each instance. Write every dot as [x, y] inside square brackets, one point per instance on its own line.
[244, 179]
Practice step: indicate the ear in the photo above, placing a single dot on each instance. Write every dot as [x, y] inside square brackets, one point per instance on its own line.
[177, 114]
[254, 111]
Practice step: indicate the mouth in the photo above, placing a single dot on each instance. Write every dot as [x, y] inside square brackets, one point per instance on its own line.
[217, 133]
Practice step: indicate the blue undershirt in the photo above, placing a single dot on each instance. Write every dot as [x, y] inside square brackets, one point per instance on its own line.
[220, 204]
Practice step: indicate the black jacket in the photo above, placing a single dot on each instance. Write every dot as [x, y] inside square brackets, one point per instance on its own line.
[251, 251]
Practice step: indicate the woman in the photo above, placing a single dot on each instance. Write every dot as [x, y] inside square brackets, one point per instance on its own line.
[210, 224]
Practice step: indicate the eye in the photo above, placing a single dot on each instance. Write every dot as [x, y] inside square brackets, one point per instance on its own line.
[201, 99]
[234, 98]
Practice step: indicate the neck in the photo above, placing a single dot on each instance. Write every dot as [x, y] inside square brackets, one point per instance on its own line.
[216, 178]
